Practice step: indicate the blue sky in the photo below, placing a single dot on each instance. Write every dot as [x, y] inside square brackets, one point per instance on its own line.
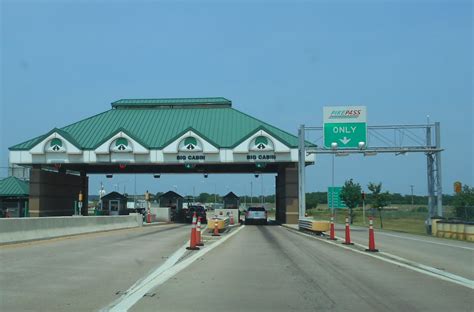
[278, 61]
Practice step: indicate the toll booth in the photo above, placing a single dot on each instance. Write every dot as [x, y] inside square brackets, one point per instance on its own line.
[14, 194]
[113, 204]
[178, 136]
[231, 201]
[174, 201]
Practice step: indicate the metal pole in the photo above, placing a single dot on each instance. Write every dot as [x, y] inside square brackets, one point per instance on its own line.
[332, 185]
[430, 169]
[251, 192]
[261, 192]
[439, 184]
[301, 172]
[411, 186]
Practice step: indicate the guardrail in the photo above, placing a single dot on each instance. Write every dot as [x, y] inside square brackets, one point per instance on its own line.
[222, 223]
[313, 225]
[453, 229]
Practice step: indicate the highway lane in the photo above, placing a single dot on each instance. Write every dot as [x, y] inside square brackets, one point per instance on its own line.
[270, 268]
[452, 256]
[82, 273]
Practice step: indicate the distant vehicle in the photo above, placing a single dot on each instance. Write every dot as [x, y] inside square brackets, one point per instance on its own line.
[200, 212]
[255, 215]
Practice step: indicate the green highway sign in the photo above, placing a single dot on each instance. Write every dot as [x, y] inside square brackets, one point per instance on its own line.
[346, 135]
[345, 125]
[334, 198]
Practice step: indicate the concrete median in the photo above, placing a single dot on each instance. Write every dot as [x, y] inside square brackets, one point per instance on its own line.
[25, 229]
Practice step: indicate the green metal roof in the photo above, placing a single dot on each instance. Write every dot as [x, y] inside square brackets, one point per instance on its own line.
[14, 187]
[174, 102]
[223, 127]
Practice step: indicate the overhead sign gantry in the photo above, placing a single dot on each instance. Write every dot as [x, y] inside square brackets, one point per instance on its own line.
[345, 132]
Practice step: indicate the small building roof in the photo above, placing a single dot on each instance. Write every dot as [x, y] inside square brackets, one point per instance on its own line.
[114, 195]
[231, 195]
[14, 187]
[170, 194]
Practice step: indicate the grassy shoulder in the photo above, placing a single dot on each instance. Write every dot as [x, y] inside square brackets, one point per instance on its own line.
[402, 219]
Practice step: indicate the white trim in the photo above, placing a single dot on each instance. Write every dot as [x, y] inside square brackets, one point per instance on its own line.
[104, 148]
[279, 147]
[39, 149]
[224, 156]
[207, 148]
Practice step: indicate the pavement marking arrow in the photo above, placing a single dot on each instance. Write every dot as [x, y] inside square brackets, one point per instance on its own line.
[345, 140]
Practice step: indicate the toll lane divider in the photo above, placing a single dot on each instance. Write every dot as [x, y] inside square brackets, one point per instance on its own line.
[163, 273]
[411, 265]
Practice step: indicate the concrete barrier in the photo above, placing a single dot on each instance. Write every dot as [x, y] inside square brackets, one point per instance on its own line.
[25, 229]
[162, 214]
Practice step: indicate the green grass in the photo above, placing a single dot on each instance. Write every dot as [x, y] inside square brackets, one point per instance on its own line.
[395, 220]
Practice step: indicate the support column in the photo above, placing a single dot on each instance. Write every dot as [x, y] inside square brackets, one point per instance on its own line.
[85, 193]
[287, 195]
[54, 193]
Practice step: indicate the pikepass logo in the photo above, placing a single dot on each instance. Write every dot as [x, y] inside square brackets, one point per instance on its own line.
[345, 114]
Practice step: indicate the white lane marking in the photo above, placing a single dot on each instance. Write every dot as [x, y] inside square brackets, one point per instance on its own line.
[422, 266]
[161, 275]
[459, 280]
[135, 287]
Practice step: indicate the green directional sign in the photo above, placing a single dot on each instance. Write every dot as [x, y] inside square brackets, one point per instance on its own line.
[346, 126]
[334, 198]
[346, 135]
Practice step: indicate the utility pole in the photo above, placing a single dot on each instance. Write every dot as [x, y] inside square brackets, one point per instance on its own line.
[411, 186]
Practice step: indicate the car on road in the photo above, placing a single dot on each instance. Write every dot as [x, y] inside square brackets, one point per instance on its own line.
[256, 215]
[200, 212]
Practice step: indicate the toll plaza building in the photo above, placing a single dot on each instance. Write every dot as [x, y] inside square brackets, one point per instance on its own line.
[158, 136]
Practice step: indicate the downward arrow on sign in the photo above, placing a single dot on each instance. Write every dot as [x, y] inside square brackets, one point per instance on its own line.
[345, 140]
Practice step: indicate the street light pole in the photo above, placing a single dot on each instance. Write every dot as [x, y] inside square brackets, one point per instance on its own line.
[411, 186]
[332, 184]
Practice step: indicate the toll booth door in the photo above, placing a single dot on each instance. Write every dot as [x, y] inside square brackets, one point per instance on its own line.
[114, 206]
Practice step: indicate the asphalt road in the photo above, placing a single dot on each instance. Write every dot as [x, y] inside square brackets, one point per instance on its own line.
[258, 268]
[448, 255]
[270, 268]
[82, 273]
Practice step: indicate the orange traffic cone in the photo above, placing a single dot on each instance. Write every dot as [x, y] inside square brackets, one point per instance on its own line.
[192, 241]
[348, 234]
[231, 221]
[198, 233]
[332, 235]
[371, 236]
[216, 229]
